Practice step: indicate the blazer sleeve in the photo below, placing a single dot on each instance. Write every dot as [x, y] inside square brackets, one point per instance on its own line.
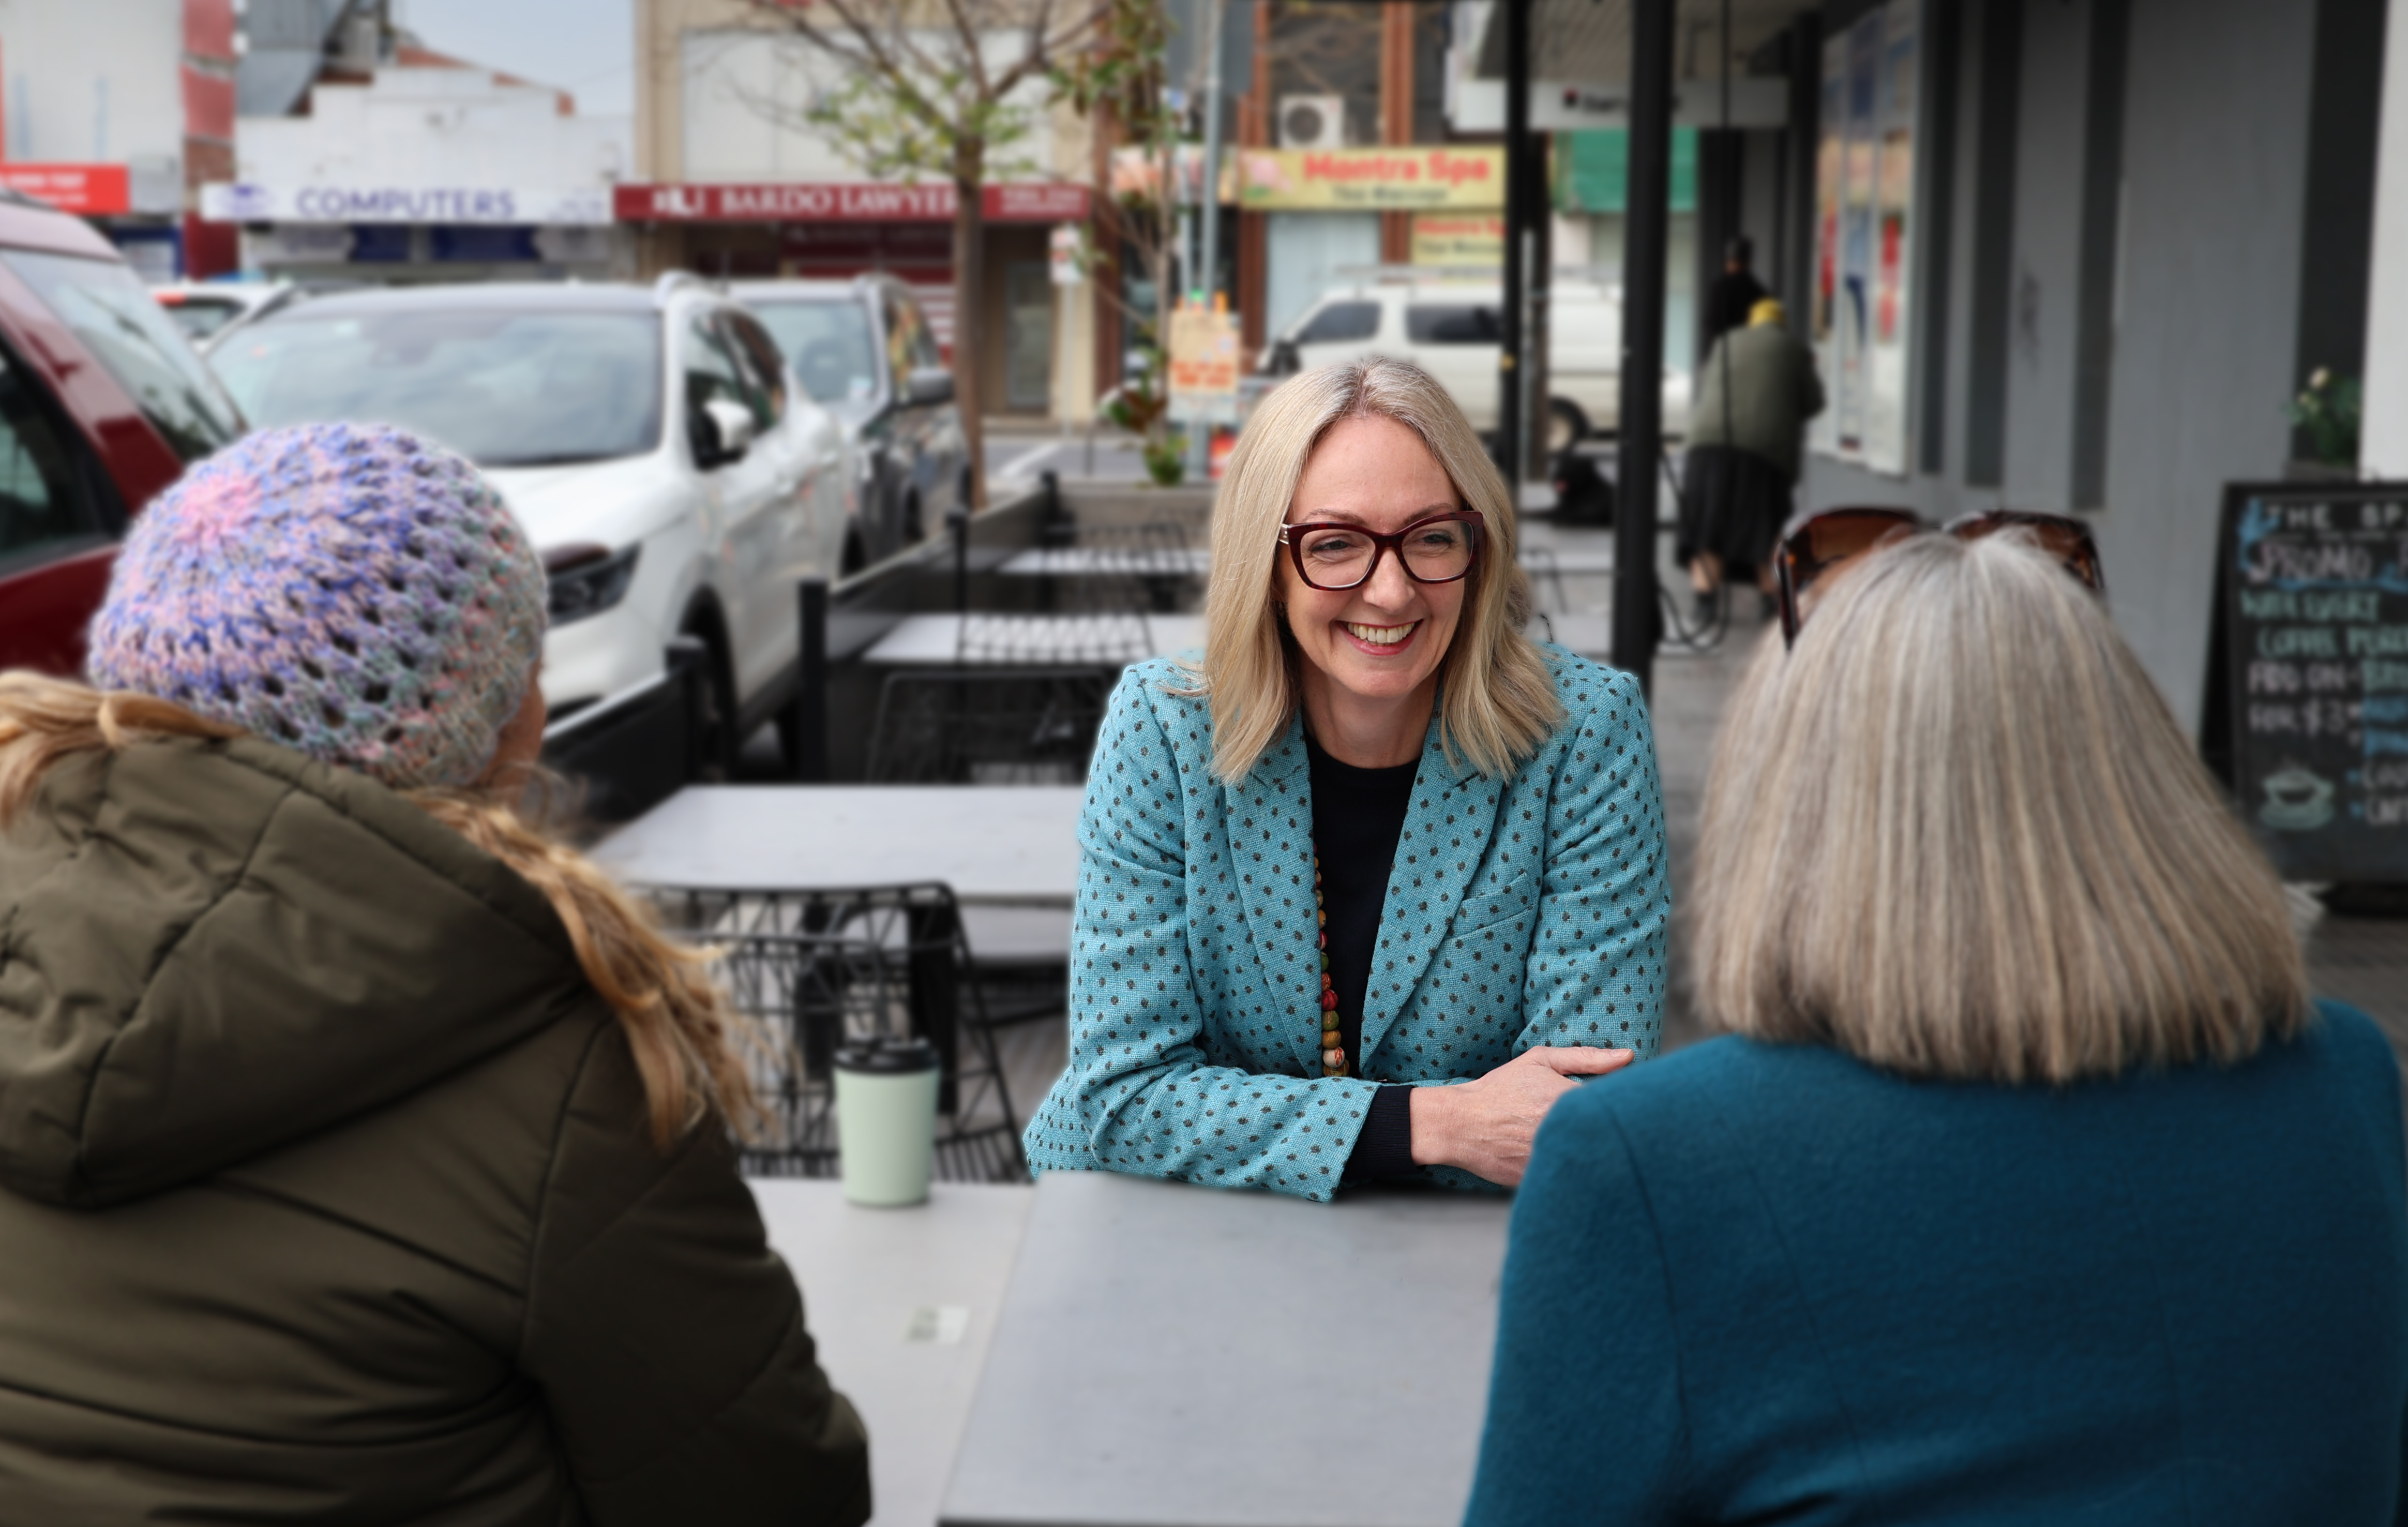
[1596, 975]
[668, 1337]
[1140, 1094]
[1585, 1416]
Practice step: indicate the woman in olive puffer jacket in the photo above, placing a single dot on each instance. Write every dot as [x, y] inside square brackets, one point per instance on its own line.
[366, 1156]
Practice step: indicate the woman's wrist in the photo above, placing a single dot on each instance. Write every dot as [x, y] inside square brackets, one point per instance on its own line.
[1433, 1120]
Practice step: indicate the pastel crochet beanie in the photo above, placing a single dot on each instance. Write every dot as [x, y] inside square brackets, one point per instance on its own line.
[351, 592]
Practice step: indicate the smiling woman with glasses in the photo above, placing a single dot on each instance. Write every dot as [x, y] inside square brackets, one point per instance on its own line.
[1363, 890]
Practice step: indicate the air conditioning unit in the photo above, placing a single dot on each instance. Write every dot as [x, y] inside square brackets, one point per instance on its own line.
[1312, 121]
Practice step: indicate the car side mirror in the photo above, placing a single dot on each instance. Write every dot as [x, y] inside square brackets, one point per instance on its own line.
[722, 432]
[928, 386]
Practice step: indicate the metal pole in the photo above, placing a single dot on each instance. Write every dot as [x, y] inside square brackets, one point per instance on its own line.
[1207, 278]
[1645, 225]
[1510, 424]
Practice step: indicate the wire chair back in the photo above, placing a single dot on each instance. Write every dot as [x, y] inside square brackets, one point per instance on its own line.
[811, 969]
[972, 726]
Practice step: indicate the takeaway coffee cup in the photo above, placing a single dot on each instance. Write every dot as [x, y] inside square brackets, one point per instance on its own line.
[886, 1118]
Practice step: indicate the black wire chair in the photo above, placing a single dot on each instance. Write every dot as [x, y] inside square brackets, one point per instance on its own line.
[988, 725]
[1146, 566]
[813, 968]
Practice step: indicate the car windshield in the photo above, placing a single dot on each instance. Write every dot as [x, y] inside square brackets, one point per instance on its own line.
[114, 316]
[200, 317]
[503, 388]
[828, 344]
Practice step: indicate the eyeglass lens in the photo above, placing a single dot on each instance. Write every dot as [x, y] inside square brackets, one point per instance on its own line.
[1337, 557]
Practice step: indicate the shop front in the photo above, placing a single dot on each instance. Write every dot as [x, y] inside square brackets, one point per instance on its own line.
[839, 230]
[391, 233]
[1324, 208]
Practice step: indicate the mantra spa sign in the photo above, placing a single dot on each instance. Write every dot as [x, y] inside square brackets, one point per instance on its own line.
[1372, 180]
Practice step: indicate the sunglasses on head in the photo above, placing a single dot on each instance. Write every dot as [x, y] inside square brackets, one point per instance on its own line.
[1823, 543]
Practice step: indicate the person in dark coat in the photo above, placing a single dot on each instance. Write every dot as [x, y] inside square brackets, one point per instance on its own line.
[363, 1155]
[2031, 1188]
[1755, 394]
[1735, 293]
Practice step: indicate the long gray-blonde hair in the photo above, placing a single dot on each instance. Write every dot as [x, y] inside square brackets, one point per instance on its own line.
[1955, 832]
[1496, 703]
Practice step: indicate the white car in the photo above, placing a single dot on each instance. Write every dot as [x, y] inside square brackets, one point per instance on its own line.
[208, 311]
[1450, 331]
[653, 442]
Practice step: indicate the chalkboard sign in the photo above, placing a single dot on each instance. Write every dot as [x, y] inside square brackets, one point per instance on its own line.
[2307, 705]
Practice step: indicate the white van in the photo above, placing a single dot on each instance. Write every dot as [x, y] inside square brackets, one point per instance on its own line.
[1451, 330]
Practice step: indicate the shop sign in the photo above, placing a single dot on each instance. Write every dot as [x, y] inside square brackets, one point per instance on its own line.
[85, 189]
[1370, 180]
[1459, 238]
[856, 201]
[390, 204]
[1203, 362]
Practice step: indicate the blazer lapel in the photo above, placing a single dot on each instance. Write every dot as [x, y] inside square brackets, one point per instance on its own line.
[1445, 839]
[1270, 822]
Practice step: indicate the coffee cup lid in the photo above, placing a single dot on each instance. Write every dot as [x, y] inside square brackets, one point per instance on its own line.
[886, 1054]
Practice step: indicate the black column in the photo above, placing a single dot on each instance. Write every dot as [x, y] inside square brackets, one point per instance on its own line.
[1645, 225]
[1519, 209]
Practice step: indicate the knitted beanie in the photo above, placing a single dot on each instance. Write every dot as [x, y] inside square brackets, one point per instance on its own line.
[351, 592]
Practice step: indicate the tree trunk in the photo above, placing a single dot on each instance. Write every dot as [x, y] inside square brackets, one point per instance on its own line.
[970, 305]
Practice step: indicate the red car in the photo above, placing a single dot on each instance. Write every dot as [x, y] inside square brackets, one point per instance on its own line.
[102, 404]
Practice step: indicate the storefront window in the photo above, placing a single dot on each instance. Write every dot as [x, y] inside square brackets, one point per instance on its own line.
[118, 321]
[501, 387]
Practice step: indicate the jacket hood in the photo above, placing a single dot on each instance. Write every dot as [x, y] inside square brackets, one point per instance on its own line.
[209, 949]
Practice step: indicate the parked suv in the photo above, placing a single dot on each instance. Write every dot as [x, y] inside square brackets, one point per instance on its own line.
[102, 403]
[652, 440]
[1452, 331]
[863, 349]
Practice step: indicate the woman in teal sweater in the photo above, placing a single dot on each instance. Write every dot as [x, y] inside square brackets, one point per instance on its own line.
[1361, 894]
[2031, 1190]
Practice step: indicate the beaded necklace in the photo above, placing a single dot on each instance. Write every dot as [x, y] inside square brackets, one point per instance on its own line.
[1333, 1050]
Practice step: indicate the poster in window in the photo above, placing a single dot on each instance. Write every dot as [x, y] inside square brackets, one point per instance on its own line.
[1865, 252]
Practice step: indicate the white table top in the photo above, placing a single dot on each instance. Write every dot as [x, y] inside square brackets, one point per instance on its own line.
[1017, 640]
[1169, 1356]
[1092, 561]
[903, 1304]
[1004, 844]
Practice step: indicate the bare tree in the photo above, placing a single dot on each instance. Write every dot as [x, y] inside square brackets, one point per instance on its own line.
[1120, 84]
[942, 87]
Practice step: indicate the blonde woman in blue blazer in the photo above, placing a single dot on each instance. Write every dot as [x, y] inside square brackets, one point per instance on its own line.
[1362, 895]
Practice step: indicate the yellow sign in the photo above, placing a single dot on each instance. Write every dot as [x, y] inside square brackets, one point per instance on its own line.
[1203, 362]
[1458, 238]
[1370, 180]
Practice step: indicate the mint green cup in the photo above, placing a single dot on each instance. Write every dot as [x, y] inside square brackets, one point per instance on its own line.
[886, 1119]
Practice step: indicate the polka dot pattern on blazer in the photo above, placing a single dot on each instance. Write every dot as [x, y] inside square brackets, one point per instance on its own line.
[1525, 911]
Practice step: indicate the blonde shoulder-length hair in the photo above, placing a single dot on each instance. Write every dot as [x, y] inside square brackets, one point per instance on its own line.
[1497, 702]
[689, 1042]
[1956, 833]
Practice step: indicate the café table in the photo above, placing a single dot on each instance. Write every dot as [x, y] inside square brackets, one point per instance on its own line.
[1110, 561]
[903, 1304]
[1011, 853]
[1176, 1355]
[1022, 641]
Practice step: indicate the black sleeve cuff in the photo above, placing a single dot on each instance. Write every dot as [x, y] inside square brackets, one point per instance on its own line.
[1384, 1149]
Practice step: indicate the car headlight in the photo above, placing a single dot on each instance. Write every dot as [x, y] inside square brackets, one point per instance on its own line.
[587, 579]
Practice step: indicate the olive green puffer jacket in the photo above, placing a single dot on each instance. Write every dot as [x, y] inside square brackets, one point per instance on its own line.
[328, 1193]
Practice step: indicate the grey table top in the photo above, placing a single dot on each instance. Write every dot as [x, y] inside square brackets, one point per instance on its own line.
[903, 1304]
[1027, 641]
[1098, 561]
[995, 844]
[1171, 1356]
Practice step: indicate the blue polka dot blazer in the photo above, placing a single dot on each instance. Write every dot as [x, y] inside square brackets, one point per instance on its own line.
[1523, 911]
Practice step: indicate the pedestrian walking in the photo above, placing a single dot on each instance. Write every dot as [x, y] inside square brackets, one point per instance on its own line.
[1755, 394]
[1377, 840]
[2031, 1186]
[1732, 299]
[366, 1154]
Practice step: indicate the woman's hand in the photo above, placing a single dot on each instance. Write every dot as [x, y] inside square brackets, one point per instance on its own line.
[1485, 1127]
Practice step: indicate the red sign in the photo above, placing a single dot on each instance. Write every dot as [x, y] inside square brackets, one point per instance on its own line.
[844, 202]
[87, 189]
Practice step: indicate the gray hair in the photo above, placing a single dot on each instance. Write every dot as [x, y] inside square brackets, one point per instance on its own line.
[1955, 832]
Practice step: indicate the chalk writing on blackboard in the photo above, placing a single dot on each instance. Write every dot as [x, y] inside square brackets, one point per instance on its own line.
[2314, 619]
